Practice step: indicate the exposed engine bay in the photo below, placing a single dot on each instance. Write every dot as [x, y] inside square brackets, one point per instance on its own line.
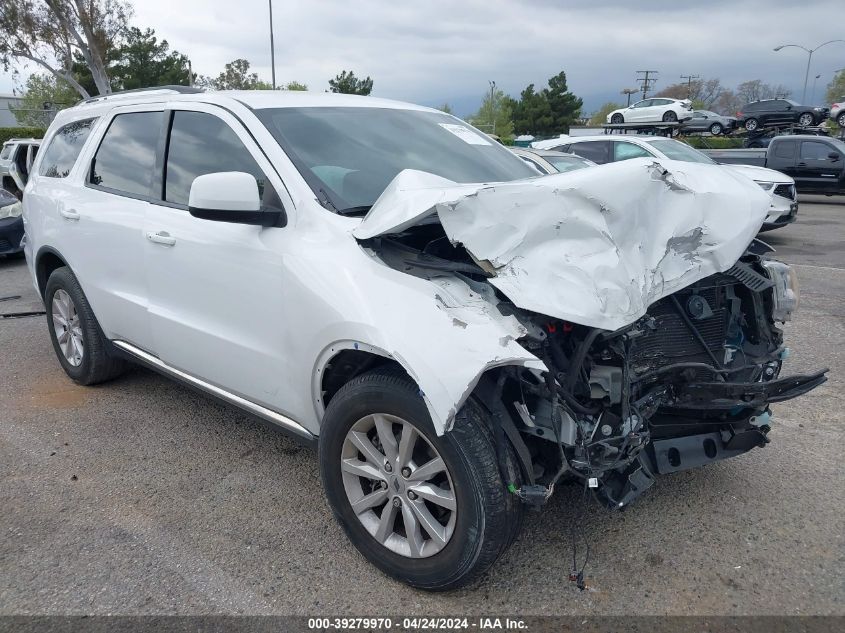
[688, 383]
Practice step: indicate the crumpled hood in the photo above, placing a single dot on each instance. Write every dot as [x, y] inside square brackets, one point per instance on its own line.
[760, 174]
[594, 246]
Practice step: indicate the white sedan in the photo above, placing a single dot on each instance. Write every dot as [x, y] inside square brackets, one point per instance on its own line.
[653, 111]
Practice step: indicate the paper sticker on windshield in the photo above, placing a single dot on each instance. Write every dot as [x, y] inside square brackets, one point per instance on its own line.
[465, 134]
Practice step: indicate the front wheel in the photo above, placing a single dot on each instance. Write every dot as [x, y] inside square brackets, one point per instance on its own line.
[806, 120]
[79, 343]
[841, 119]
[429, 510]
[716, 129]
[616, 119]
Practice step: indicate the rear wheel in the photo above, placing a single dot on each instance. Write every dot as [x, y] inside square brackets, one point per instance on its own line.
[841, 119]
[751, 124]
[716, 129]
[806, 119]
[617, 119]
[77, 339]
[429, 510]
[670, 117]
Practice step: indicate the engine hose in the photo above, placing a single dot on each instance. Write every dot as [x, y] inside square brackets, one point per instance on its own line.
[579, 357]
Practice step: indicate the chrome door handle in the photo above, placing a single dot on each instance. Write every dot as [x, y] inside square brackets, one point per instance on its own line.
[69, 214]
[162, 237]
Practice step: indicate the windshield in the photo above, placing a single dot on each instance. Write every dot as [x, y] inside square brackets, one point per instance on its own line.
[349, 155]
[680, 151]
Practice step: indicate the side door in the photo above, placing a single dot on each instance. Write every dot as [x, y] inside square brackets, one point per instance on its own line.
[782, 156]
[104, 220]
[817, 168]
[216, 288]
[639, 111]
[596, 151]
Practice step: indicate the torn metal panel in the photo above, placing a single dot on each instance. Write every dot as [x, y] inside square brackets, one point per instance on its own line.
[594, 246]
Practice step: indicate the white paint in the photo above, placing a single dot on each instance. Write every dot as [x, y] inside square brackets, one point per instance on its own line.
[595, 246]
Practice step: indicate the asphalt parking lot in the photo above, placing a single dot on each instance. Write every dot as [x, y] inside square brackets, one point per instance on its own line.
[140, 496]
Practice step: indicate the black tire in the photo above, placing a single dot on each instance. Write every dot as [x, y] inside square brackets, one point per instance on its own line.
[806, 119]
[751, 124]
[840, 120]
[670, 117]
[488, 516]
[97, 365]
[716, 129]
[617, 118]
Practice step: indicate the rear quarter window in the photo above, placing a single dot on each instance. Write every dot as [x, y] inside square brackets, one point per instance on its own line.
[785, 149]
[64, 148]
[7, 151]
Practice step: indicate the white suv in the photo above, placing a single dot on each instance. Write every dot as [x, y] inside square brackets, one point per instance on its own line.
[331, 264]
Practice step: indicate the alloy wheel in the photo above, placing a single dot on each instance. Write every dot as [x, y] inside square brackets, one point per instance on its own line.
[398, 486]
[805, 120]
[67, 327]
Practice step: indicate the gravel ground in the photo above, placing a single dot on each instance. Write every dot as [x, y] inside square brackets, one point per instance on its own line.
[140, 496]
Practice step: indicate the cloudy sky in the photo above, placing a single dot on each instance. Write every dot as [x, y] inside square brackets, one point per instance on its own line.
[436, 51]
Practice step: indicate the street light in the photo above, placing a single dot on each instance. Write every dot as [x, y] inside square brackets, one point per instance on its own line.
[809, 52]
[493, 104]
[272, 47]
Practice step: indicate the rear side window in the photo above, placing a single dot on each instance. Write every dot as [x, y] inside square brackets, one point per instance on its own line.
[125, 160]
[596, 151]
[200, 143]
[785, 149]
[64, 148]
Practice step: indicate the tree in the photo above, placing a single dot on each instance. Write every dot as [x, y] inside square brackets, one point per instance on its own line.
[600, 116]
[566, 107]
[235, 76]
[549, 112]
[142, 61]
[348, 83]
[295, 85]
[445, 108]
[702, 92]
[55, 33]
[532, 114]
[755, 89]
[494, 116]
[43, 95]
[836, 92]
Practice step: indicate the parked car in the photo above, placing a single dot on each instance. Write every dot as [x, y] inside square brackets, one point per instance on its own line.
[456, 335]
[551, 162]
[707, 121]
[763, 136]
[603, 149]
[11, 224]
[771, 112]
[16, 159]
[816, 163]
[837, 112]
[652, 111]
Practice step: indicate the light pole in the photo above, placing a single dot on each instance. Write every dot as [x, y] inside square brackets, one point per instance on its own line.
[809, 52]
[813, 94]
[272, 48]
[493, 104]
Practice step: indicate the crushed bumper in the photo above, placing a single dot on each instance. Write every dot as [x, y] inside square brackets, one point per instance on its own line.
[730, 395]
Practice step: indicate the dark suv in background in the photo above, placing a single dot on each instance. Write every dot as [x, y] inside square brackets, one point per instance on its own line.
[768, 112]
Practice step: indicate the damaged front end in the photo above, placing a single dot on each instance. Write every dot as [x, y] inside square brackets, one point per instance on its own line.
[655, 321]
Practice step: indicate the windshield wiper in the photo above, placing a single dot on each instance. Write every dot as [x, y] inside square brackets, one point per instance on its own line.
[362, 210]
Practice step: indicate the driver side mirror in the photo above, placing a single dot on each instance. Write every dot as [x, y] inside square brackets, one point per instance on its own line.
[230, 196]
[834, 156]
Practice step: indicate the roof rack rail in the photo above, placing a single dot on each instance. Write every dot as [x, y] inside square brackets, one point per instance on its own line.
[171, 88]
